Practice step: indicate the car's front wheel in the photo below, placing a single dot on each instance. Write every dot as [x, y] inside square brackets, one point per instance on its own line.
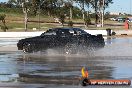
[27, 48]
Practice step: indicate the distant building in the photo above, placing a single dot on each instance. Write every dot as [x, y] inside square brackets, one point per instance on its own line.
[114, 13]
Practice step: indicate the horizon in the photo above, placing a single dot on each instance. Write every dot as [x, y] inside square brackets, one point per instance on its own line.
[118, 6]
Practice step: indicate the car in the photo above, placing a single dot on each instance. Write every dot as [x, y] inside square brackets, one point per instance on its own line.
[113, 19]
[64, 40]
[129, 19]
[121, 19]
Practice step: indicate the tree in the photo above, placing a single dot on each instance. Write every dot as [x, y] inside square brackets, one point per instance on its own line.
[16, 3]
[12, 1]
[26, 8]
[62, 19]
[2, 18]
[97, 5]
[82, 4]
[69, 5]
[49, 6]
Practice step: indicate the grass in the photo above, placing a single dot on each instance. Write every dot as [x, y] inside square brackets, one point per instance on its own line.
[20, 26]
[15, 22]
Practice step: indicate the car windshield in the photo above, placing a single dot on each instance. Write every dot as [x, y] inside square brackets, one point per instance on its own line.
[64, 31]
[49, 32]
[77, 30]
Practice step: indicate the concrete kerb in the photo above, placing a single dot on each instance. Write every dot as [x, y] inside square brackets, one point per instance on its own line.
[32, 34]
[19, 34]
[123, 32]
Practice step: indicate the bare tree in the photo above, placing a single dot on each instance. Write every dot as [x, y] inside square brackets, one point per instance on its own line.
[25, 8]
[71, 8]
[100, 5]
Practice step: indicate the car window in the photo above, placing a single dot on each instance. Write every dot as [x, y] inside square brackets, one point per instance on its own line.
[49, 32]
[63, 32]
[79, 31]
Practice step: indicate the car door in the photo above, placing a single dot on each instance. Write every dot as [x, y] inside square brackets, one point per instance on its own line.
[47, 40]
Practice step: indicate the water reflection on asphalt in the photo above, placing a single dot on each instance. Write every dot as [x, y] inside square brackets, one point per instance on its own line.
[18, 70]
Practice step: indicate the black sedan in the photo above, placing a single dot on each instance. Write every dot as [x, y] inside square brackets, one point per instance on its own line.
[64, 40]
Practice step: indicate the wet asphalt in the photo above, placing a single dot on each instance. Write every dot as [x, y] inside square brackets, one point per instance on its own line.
[53, 70]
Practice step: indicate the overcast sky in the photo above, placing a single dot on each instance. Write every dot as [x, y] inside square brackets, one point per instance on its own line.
[117, 6]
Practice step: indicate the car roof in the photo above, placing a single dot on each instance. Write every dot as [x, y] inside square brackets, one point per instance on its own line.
[66, 29]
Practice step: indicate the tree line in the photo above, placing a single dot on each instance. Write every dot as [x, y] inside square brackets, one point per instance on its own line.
[54, 7]
[59, 8]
